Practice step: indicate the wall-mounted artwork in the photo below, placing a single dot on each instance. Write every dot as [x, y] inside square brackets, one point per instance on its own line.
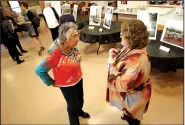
[173, 33]
[95, 15]
[75, 11]
[108, 17]
[151, 21]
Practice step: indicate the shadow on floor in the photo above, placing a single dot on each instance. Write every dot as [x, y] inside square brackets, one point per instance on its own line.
[170, 83]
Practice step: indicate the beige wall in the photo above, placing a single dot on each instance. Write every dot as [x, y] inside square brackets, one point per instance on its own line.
[100, 3]
[36, 8]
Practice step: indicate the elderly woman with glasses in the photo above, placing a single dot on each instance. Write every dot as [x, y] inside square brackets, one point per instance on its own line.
[129, 87]
[64, 59]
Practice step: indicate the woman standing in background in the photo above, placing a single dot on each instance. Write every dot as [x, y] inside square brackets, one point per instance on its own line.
[34, 34]
[66, 14]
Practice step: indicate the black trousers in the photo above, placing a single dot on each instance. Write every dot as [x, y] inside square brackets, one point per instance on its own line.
[17, 41]
[74, 98]
[12, 50]
[54, 33]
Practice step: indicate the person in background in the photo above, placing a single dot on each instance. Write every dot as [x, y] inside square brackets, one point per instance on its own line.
[64, 2]
[52, 19]
[8, 38]
[15, 32]
[30, 16]
[66, 14]
[129, 86]
[64, 59]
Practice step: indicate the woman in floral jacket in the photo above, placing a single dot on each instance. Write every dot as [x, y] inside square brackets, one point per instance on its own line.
[129, 87]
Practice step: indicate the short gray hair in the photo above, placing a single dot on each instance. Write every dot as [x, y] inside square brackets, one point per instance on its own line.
[66, 8]
[64, 30]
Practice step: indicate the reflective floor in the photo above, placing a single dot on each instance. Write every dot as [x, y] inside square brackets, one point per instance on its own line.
[26, 100]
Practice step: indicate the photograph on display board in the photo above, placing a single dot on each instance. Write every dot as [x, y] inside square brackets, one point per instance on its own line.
[173, 33]
[151, 21]
[95, 15]
[123, 1]
[108, 17]
[75, 10]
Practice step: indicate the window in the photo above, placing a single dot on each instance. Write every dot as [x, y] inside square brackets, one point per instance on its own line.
[15, 6]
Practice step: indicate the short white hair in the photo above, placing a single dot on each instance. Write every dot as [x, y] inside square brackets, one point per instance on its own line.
[47, 3]
[64, 30]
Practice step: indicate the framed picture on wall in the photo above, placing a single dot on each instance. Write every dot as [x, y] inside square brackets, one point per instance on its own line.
[75, 11]
[95, 15]
[108, 17]
[173, 33]
[151, 21]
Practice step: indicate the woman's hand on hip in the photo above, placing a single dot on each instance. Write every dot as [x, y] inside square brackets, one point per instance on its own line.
[54, 85]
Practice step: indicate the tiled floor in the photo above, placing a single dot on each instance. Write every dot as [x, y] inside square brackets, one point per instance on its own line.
[26, 100]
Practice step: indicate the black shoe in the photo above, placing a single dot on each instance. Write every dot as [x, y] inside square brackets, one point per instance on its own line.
[14, 59]
[19, 54]
[124, 117]
[134, 122]
[42, 48]
[84, 115]
[130, 120]
[40, 52]
[20, 61]
[24, 51]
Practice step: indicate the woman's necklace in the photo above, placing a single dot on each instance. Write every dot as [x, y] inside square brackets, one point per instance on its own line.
[122, 53]
[61, 49]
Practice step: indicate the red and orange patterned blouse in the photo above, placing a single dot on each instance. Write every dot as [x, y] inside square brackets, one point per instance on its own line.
[66, 69]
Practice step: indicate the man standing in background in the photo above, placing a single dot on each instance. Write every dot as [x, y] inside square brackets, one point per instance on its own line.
[7, 16]
[51, 18]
